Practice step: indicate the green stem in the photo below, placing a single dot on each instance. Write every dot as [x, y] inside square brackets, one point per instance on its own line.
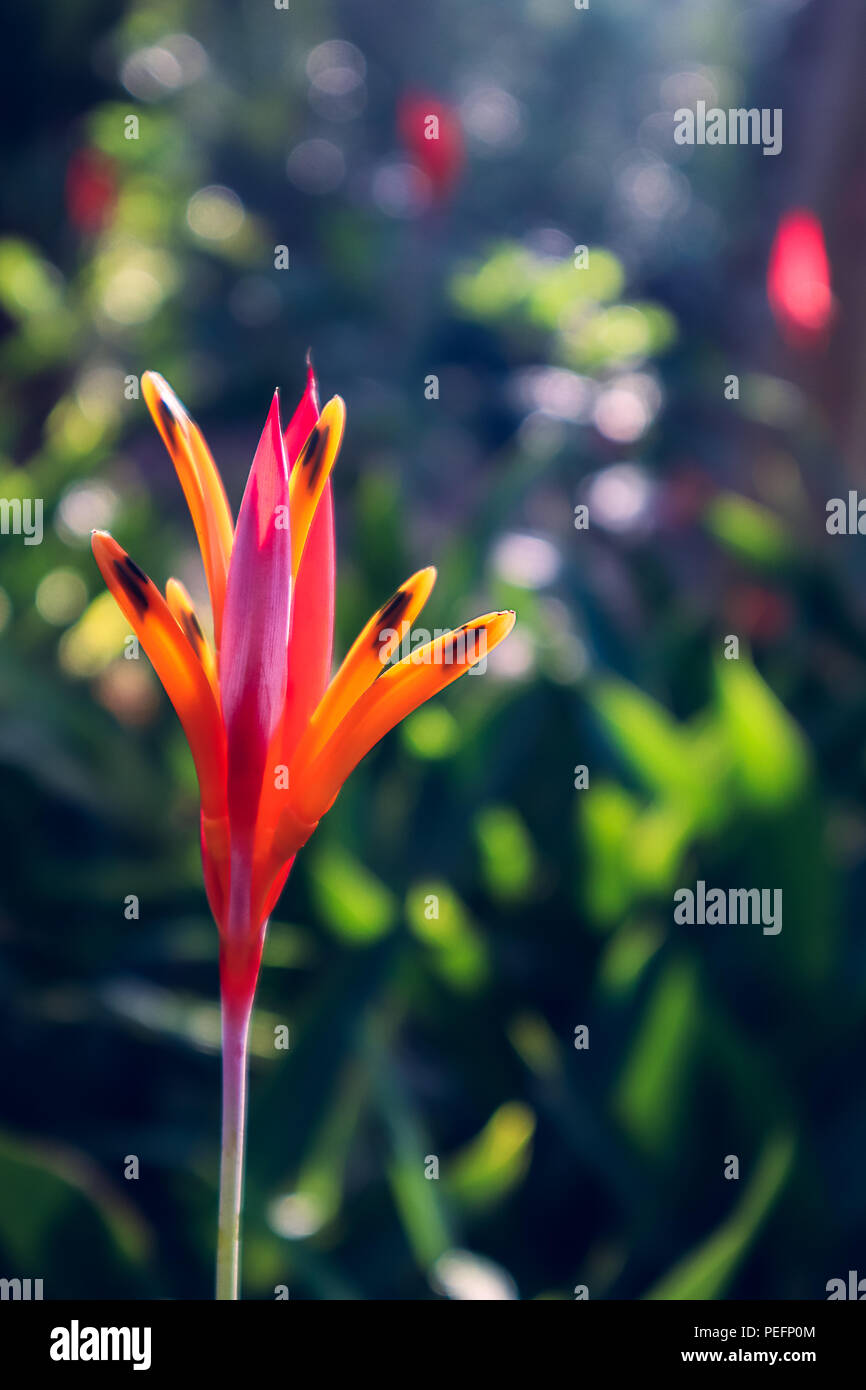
[235, 1040]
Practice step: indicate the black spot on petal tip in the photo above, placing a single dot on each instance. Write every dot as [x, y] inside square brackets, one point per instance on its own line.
[313, 453]
[135, 569]
[133, 581]
[192, 628]
[310, 444]
[394, 608]
[167, 417]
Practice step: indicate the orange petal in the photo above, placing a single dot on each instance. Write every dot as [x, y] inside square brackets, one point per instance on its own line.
[399, 691]
[364, 662]
[311, 472]
[176, 665]
[183, 611]
[201, 483]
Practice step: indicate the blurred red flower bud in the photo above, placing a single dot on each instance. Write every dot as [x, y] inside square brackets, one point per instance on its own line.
[760, 614]
[433, 137]
[798, 280]
[91, 190]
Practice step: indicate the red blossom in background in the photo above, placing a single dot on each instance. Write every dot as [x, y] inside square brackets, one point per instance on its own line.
[432, 135]
[798, 281]
[91, 190]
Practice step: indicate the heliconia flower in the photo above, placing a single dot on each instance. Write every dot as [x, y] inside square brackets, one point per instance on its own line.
[272, 736]
[798, 280]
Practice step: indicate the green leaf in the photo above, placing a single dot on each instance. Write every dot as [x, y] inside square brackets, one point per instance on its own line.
[495, 1161]
[748, 530]
[652, 1091]
[317, 1197]
[648, 739]
[416, 1196]
[436, 915]
[768, 752]
[352, 902]
[43, 1187]
[628, 953]
[28, 284]
[508, 861]
[606, 819]
[706, 1272]
[660, 838]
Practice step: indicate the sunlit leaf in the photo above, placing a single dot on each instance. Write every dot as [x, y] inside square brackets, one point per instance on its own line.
[531, 1037]
[606, 821]
[652, 1090]
[647, 738]
[508, 861]
[766, 747]
[659, 839]
[355, 904]
[436, 915]
[749, 530]
[495, 1161]
[628, 953]
[28, 284]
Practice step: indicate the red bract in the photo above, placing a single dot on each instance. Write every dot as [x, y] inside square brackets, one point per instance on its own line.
[798, 280]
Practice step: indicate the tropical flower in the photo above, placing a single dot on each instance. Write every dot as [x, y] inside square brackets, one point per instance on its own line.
[272, 738]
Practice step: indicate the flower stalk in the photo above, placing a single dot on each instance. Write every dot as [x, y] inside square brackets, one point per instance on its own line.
[236, 1015]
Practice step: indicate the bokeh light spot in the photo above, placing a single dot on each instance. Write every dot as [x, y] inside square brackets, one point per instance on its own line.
[316, 166]
[619, 497]
[215, 213]
[61, 596]
[462, 1275]
[85, 507]
[531, 562]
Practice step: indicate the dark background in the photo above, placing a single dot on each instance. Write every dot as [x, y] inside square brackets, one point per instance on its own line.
[605, 386]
